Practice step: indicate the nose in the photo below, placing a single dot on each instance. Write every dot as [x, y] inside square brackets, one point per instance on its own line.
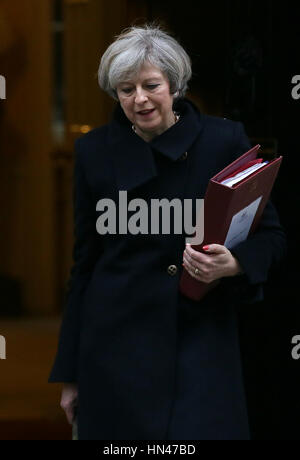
[140, 96]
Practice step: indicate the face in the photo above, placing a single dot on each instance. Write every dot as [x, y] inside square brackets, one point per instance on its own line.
[147, 102]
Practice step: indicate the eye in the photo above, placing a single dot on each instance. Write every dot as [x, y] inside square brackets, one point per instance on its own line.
[126, 90]
[152, 86]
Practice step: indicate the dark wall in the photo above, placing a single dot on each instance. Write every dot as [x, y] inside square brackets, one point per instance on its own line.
[280, 419]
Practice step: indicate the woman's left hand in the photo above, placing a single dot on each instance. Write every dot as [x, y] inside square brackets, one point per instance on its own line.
[217, 262]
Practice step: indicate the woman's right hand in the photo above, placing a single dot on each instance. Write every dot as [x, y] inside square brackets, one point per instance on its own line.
[69, 398]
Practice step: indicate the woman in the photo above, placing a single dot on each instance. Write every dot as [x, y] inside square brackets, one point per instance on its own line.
[138, 359]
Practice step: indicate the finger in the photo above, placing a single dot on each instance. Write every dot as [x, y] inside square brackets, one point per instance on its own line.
[199, 276]
[189, 265]
[70, 415]
[214, 249]
[187, 257]
[69, 409]
[190, 268]
[195, 255]
[191, 272]
[191, 262]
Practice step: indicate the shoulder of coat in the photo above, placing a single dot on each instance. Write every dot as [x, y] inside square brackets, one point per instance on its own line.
[220, 126]
[217, 120]
[221, 122]
[93, 139]
[93, 134]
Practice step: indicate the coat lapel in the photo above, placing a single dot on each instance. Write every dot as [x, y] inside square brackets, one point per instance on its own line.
[133, 158]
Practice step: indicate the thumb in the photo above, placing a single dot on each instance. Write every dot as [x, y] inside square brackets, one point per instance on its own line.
[214, 249]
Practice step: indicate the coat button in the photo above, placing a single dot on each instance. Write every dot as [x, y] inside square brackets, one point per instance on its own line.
[172, 270]
[183, 157]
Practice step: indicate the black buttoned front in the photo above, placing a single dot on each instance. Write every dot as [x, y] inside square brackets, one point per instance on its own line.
[172, 270]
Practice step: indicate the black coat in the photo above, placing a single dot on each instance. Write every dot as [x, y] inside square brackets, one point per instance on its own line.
[150, 363]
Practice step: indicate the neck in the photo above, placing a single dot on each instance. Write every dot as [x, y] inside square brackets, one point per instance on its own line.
[149, 135]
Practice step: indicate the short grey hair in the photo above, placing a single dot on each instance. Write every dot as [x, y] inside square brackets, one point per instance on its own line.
[137, 45]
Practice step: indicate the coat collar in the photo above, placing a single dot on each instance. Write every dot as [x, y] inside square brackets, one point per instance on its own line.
[133, 158]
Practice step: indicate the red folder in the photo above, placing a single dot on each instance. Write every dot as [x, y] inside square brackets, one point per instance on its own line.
[226, 207]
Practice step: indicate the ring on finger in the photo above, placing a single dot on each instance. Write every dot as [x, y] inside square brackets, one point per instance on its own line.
[197, 271]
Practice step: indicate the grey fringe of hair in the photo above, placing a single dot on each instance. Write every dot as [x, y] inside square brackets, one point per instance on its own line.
[137, 45]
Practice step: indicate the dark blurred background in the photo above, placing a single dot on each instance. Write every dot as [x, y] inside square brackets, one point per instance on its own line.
[244, 56]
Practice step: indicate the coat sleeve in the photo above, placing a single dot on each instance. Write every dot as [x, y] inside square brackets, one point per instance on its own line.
[262, 251]
[86, 251]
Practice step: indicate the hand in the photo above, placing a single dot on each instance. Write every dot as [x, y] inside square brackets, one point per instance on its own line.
[217, 262]
[69, 399]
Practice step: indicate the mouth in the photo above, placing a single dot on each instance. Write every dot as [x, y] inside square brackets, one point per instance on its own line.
[146, 112]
